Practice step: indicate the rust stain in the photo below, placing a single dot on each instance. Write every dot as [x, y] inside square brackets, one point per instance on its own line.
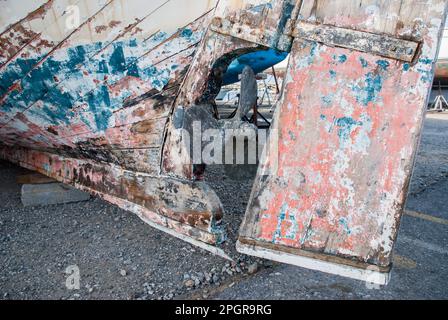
[99, 29]
[39, 13]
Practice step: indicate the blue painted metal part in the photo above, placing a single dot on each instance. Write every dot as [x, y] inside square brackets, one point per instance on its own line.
[258, 61]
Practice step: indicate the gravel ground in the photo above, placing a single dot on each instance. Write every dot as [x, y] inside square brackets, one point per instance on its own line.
[120, 257]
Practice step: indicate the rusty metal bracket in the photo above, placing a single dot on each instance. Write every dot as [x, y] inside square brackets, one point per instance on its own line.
[241, 31]
[382, 45]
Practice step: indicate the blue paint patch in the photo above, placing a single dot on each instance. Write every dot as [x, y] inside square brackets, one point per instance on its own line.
[364, 62]
[159, 36]
[280, 219]
[383, 64]
[117, 61]
[369, 93]
[45, 83]
[291, 233]
[344, 224]
[99, 103]
[332, 74]
[327, 100]
[15, 72]
[186, 33]
[427, 75]
[158, 78]
[425, 60]
[406, 66]
[76, 55]
[346, 126]
[342, 58]
[323, 117]
[103, 67]
[132, 67]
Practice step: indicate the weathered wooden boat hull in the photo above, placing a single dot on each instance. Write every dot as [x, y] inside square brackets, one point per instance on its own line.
[86, 91]
[441, 73]
[103, 98]
[329, 196]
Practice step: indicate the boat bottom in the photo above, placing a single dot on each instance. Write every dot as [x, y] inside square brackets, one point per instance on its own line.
[371, 274]
[187, 210]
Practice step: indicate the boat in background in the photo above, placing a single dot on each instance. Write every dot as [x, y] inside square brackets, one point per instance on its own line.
[441, 74]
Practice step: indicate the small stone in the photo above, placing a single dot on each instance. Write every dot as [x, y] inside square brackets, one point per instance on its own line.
[189, 283]
[268, 263]
[123, 272]
[253, 268]
[201, 276]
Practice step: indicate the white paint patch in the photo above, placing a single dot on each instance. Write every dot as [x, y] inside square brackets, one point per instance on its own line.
[369, 276]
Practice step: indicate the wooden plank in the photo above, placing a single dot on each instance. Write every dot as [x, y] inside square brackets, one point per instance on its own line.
[348, 125]
[397, 18]
[377, 44]
[262, 22]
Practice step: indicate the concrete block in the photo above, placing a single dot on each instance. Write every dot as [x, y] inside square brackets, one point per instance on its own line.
[34, 178]
[51, 193]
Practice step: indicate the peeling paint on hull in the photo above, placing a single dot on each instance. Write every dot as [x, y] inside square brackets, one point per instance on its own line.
[100, 105]
[348, 126]
[88, 105]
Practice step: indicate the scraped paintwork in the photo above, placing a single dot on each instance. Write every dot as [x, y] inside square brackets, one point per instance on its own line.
[89, 105]
[101, 104]
[349, 124]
